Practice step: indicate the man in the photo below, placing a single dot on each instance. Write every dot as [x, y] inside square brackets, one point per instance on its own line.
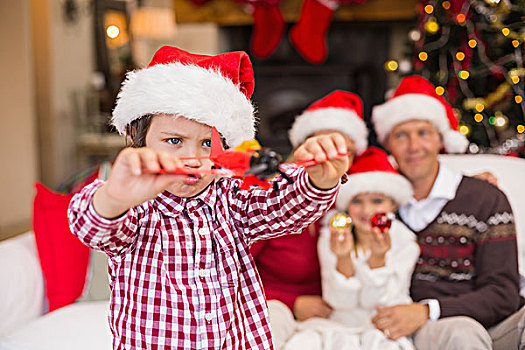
[466, 283]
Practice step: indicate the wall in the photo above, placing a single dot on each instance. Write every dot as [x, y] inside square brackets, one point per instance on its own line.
[203, 38]
[43, 60]
[63, 63]
[17, 133]
[230, 13]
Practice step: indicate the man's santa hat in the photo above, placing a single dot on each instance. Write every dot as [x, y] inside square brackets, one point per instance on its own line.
[212, 90]
[416, 99]
[339, 110]
[371, 172]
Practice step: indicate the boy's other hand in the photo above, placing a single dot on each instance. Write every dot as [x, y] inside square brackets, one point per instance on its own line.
[128, 185]
[327, 173]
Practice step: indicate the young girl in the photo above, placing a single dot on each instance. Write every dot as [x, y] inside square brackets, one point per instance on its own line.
[362, 268]
[181, 273]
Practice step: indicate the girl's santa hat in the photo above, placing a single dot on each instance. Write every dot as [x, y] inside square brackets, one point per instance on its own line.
[416, 99]
[371, 172]
[212, 90]
[339, 110]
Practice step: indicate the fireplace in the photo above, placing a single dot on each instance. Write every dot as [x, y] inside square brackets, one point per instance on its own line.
[285, 84]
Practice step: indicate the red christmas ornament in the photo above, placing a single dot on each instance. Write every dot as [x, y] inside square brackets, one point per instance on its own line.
[382, 221]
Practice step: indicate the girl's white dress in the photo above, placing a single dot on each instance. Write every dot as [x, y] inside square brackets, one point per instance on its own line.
[353, 299]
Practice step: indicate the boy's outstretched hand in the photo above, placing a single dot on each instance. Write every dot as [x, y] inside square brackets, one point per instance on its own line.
[327, 173]
[128, 185]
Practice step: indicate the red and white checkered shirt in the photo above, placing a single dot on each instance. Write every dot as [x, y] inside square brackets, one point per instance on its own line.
[181, 273]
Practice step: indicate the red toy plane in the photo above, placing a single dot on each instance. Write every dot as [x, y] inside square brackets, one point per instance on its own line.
[249, 161]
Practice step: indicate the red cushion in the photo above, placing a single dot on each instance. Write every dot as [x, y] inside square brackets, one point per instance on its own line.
[64, 259]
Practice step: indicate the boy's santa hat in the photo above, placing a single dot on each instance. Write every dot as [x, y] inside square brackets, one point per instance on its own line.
[339, 110]
[416, 99]
[212, 90]
[371, 172]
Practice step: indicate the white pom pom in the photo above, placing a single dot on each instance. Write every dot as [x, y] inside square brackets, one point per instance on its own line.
[455, 142]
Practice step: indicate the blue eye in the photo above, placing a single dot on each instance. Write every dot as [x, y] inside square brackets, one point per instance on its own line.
[355, 201]
[424, 133]
[377, 200]
[400, 135]
[206, 143]
[174, 141]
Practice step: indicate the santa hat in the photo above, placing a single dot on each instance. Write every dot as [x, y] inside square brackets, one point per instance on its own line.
[416, 99]
[212, 90]
[341, 111]
[371, 172]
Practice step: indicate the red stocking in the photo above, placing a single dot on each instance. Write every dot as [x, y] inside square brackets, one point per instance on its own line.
[308, 35]
[268, 29]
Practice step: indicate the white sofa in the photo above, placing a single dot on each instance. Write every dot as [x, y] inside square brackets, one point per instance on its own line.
[84, 325]
[79, 326]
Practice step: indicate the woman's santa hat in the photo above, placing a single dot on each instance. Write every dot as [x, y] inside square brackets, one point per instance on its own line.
[416, 99]
[339, 110]
[371, 172]
[212, 90]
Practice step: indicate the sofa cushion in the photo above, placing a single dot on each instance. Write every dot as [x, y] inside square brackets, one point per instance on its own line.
[97, 281]
[22, 286]
[80, 326]
[64, 259]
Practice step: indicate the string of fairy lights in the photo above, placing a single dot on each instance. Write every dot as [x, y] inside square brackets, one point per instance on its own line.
[465, 41]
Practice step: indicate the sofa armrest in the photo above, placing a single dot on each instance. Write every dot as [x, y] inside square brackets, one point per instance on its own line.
[22, 291]
[79, 326]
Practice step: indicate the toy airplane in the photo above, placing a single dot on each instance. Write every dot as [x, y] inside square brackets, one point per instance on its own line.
[249, 161]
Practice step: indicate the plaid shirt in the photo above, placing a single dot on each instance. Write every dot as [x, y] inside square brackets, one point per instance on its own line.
[180, 269]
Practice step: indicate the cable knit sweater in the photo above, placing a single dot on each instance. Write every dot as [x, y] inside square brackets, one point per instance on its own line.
[468, 258]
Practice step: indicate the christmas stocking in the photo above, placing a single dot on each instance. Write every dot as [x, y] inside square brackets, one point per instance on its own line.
[268, 28]
[308, 35]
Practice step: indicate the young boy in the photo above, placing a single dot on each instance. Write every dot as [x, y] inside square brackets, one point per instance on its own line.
[181, 273]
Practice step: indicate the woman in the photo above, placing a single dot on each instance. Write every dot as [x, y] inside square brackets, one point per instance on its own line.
[289, 266]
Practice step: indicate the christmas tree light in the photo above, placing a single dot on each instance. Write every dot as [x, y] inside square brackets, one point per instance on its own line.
[472, 51]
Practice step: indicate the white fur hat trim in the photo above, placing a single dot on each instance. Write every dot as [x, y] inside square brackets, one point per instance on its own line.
[338, 119]
[417, 107]
[387, 183]
[196, 93]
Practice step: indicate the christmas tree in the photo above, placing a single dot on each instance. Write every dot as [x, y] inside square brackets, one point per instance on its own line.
[472, 51]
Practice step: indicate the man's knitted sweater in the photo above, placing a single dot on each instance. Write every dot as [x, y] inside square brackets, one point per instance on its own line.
[468, 258]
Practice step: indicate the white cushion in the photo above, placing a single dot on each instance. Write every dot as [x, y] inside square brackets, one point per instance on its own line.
[97, 279]
[81, 326]
[21, 281]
